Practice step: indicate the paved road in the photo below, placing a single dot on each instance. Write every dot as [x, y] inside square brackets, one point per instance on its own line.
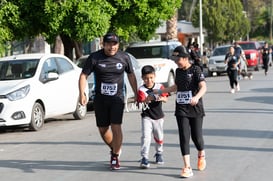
[238, 132]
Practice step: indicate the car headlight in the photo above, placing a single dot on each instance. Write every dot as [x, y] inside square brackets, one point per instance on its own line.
[19, 93]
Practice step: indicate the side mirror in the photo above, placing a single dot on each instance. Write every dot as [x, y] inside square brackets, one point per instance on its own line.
[51, 76]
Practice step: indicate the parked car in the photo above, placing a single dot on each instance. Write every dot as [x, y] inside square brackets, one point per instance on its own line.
[34, 87]
[129, 93]
[217, 60]
[158, 55]
[252, 53]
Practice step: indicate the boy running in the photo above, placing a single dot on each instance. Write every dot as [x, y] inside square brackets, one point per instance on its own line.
[151, 116]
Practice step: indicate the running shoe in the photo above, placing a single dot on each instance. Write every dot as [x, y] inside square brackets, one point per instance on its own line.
[114, 163]
[201, 164]
[120, 151]
[186, 172]
[158, 158]
[144, 163]
[232, 91]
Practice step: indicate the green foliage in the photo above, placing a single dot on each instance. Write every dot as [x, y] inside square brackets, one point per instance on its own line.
[9, 19]
[224, 20]
[78, 19]
[83, 20]
[261, 27]
[31, 18]
[142, 17]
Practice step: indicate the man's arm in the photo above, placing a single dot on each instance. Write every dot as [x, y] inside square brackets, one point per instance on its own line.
[133, 83]
[82, 87]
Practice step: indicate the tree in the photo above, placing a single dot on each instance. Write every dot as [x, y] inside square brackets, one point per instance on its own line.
[224, 20]
[76, 21]
[171, 30]
[9, 19]
[259, 13]
[142, 17]
[186, 10]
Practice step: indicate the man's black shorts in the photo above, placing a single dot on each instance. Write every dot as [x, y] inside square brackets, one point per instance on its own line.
[108, 110]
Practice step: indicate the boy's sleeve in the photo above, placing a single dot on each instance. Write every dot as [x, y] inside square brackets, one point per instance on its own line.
[141, 96]
[164, 94]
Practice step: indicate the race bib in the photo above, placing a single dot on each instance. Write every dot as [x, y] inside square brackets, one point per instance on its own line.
[109, 89]
[183, 97]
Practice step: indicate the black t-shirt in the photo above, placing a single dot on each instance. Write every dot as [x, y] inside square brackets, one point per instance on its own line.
[108, 72]
[154, 108]
[231, 60]
[188, 81]
[265, 54]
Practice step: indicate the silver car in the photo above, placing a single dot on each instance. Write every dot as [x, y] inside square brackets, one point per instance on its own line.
[217, 60]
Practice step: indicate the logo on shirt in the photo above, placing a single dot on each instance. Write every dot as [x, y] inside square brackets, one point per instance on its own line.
[202, 76]
[189, 76]
[119, 66]
[102, 65]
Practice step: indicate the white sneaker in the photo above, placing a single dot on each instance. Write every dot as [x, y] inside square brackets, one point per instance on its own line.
[238, 87]
[232, 91]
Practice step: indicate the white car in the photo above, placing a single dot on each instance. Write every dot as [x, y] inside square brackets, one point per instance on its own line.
[158, 55]
[129, 93]
[34, 87]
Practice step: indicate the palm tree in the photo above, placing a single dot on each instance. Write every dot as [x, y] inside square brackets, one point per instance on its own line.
[171, 27]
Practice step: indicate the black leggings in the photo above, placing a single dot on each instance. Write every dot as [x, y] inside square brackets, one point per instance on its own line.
[265, 64]
[233, 76]
[190, 127]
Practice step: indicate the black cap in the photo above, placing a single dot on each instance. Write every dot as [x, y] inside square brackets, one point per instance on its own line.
[180, 51]
[111, 37]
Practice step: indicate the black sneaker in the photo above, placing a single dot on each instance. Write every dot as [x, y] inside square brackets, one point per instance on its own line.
[144, 163]
[159, 158]
[114, 163]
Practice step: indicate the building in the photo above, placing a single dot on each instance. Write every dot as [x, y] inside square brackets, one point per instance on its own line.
[187, 33]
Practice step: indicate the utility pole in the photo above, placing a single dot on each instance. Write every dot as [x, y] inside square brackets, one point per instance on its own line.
[201, 27]
[271, 21]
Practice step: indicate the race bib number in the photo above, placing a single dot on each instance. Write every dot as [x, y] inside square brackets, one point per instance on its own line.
[109, 89]
[183, 97]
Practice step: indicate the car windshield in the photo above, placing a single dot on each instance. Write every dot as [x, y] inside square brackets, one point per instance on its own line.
[220, 51]
[17, 69]
[248, 46]
[149, 52]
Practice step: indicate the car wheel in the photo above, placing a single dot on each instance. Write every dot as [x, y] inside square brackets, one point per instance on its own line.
[80, 111]
[37, 117]
[171, 80]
